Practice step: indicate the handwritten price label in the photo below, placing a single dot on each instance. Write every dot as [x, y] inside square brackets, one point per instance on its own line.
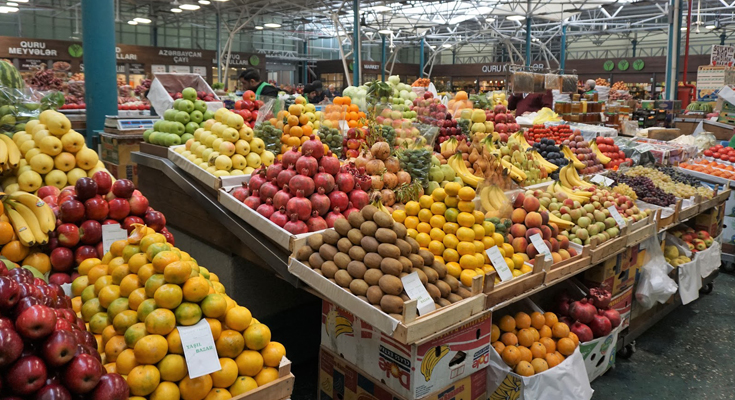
[617, 217]
[498, 262]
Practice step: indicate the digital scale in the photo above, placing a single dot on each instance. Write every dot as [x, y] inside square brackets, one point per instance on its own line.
[128, 125]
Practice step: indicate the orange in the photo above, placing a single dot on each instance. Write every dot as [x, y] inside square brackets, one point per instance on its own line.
[137, 261]
[136, 297]
[143, 380]
[160, 321]
[119, 273]
[214, 305]
[128, 284]
[566, 346]
[174, 342]
[150, 349]
[97, 271]
[548, 344]
[114, 347]
[257, 336]
[218, 394]
[574, 338]
[545, 331]
[163, 259]
[126, 362]
[525, 337]
[267, 374]
[114, 263]
[507, 323]
[117, 306]
[168, 296]
[238, 318]
[188, 314]
[243, 384]
[524, 368]
[538, 350]
[15, 251]
[226, 376]
[195, 389]
[124, 320]
[525, 354]
[117, 247]
[108, 294]
[552, 360]
[511, 355]
[499, 347]
[39, 261]
[153, 283]
[523, 320]
[551, 318]
[560, 330]
[79, 285]
[144, 273]
[195, 289]
[145, 308]
[135, 333]
[150, 239]
[494, 333]
[176, 272]
[110, 368]
[537, 320]
[129, 251]
[6, 232]
[172, 367]
[107, 334]
[165, 391]
[230, 344]
[215, 326]
[156, 248]
[539, 364]
[249, 363]
[509, 339]
[99, 322]
[102, 282]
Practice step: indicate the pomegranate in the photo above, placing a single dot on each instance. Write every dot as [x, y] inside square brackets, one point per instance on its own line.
[359, 198]
[330, 165]
[614, 317]
[377, 182]
[272, 172]
[600, 325]
[323, 180]
[374, 167]
[392, 165]
[320, 202]
[403, 177]
[301, 182]
[563, 308]
[583, 332]
[268, 190]
[290, 157]
[284, 176]
[391, 180]
[362, 159]
[309, 163]
[339, 200]
[316, 223]
[365, 183]
[279, 217]
[300, 206]
[241, 193]
[253, 201]
[333, 216]
[345, 181]
[565, 319]
[313, 147]
[388, 197]
[563, 300]
[266, 209]
[295, 226]
[281, 198]
[600, 297]
[582, 311]
[349, 210]
[256, 180]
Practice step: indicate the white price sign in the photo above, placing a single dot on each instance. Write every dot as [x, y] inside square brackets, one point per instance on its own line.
[602, 179]
[416, 290]
[617, 217]
[498, 262]
[644, 148]
[199, 350]
[111, 234]
[540, 246]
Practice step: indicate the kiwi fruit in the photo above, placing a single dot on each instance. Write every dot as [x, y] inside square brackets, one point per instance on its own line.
[391, 304]
[390, 284]
[374, 294]
[363, 298]
[405, 297]
[342, 226]
[368, 211]
[318, 271]
[330, 237]
[315, 260]
[342, 260]
[357, 253]
[434, 291]
[369, 244]
[400, 230]
[389, 250]
[385, 235]
[344, 245]
[356, 269]
[452, 282]
[427, 256]
[416, 260]
[372, 276]
[414, 244]
[359, 287]
[304, 253]
[453, 297]
[368, 228]
[440, 268]
[444, 302]
[403, 246]
[391, 266]
[422, 276]
[356, 219]
[430, 274]
[398, 317]
[407, 264]
[443, 288]
[383, 219]
[372, 260]
[343, 278]
[355, 236]
[329, 269]
[315, 241]
[464, 293]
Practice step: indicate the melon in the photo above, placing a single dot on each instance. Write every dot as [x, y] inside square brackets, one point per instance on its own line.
[9, 76]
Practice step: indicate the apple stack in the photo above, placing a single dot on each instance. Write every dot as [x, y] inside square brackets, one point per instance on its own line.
[225, 146]
[179, 123]
[82, 211]
[46, 351]
[248, 108]
[135, 297]
[53, 154]
[504, 122]
[431, 111]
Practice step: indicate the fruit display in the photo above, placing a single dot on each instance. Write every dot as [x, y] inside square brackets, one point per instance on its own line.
[700, 107]
[590, 317]
[135, 297]
[333, 139]
[440, 174]
[710, 168]
[225, 146]
[550, 152]
[478, 122]
[619, 85]
[9, 76]
[47, 351]
[683, 187]
[719, 152]
[421, 82]
[271, 136]
[386, 174]
[179, 123]
[357, 96]
[27, 224]
[644, 188]
[342, 109]
[602, 82]
[696, 240]
[297, 123]
[355, 140]
[13, 118]
[533, 168]
[577, 150]
[397, 130]
[192, 94]
[674, 257]
[368, 253]
[431, 111]
[248, 109]
[609, 153]
[502, 122]
[459, 103]
[306, 192]
[531, 344]
[417, 162]
[53, 155]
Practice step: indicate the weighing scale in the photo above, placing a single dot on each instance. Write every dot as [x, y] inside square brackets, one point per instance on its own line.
[128, 125]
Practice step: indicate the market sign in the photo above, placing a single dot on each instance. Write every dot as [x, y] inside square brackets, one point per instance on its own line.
[623, 65]
[30, 64]
[180, 56]
[638, 64]
[76, 50]
[500, 68]
[722, 55]
[609, 65]
[32, 48]
[136, 69]
[371, 66]
[125, 56]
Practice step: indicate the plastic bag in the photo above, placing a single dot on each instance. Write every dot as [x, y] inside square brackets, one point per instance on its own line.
[417, 135]
[417, 162]
[265, 130]
[654, 285]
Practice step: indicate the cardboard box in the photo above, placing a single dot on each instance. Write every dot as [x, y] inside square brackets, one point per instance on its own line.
[129, 171]
[599, 354]
[410, 370]
[340, 379]
[623, 303]
[710, 79]
[611, 274]
[116, 149]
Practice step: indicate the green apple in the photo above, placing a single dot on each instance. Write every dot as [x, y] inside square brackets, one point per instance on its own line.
[176, 103]
[186, 106]
[170, 115]
[158, 124]
[208, 115]
[200, 106]
[196, 116]
[178, 128]
[147, 134]
[185, 137]
[183, 117]
[189, 94]
[172, 140]
[191, 127]
[153, 137]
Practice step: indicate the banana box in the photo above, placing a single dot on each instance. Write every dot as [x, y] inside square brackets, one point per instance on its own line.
[411, 370]
[340, 379]
[599, 354]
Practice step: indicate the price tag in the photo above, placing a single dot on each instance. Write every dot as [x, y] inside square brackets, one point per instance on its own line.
[199, 351]
[540, 246]
[111, 234]
[602, 179]
[416, 290]
[617, 217]
[498, 262]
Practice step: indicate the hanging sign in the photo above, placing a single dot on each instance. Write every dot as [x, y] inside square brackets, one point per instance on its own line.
[722, 55]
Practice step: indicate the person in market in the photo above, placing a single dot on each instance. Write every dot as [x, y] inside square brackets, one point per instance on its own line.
[250, 80]
[524, 103]
[315, 92]
[589, 87]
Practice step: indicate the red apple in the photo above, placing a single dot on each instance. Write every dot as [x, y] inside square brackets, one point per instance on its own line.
[111, 387]
[36, 322]
[100, 250]
[138, 205]
[129, 221]
[90, 232]
[68, 235]
[123, 188]
[169, 236]
[59, 348]
[119, 208]
[104, 182]
[6, 323]
[52, 201]
[11, 346]
[97, 208]
[27, 375]
[84, 252]
[155, 220]
[62, 259]
[29, 289]
[63, 325]
[72, 211]
[3, 268]
[110, 222]
[53, 391]
[86, 188]
[25, 303]
[48, 191]
[82, 374]
[248, 95]
[9, 293]
[60, 278]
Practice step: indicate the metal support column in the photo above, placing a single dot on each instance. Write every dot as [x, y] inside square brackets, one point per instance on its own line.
[98, 39]
[454, 57]
[634, 42]
[563, 55]
[723, 36]
[305, 72]
[219, 51]
[382, 58]
[421, 58]
[672, 50]
[528, 41]
[356, 43]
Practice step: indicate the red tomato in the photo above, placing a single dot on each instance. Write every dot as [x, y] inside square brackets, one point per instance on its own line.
[708, 153]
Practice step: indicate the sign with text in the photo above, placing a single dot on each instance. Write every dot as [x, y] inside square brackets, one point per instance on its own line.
[498, 262]
[112, 233]
[722, 55]
[601, 179]
[416, 290]
[616, 216]
[540, 246]
[199, 350]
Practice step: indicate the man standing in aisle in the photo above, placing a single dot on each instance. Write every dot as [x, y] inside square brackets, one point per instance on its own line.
[250, 80]
[589, 87]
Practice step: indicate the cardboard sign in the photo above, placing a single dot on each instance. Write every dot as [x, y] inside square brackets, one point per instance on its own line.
[601, 179]
[498, 262]
[540, 246]
[111, 234]
[617, 217]
[722, 55]
[416, 290]
[199, 350]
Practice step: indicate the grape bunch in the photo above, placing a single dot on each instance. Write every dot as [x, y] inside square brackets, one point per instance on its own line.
[644, 188]
[680, 177]
[665, 182]
[550, 151]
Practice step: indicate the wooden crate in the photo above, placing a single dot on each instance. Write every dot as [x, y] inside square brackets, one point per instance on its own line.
[721, 196]
[154, 149]
[665, 222]
[641, 230]
[214, 182]
[562, 270]
[600, 252]
[515, 287]
[686, 213]
[280, 389]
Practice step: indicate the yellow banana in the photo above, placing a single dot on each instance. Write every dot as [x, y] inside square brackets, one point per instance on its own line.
[13, 152]
[548, 166]
[20, 225]
[561, 223]
[515, 172]
[576, 180]
[573, 158]
[457, 163]
[30, 218]
[3, 153]
[485, 199]
[603, 158]
[44, 214]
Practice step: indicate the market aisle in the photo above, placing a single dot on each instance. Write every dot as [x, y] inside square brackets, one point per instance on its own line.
[687, 355]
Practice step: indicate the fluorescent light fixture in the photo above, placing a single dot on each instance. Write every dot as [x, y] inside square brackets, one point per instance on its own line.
[5, 9]
[20, 1]
[683, 28]
[710, 27]
[516, 18]
[204, 2]
[272, 25]
[189, 7]
[381, 8]
[12, 4]
[484, 10]
[447, 45]
[142, 20]
[432, 46]
[385, 31]
[133, 22]
[259, 28]
[489, 20]
[222, 1]
[176, 10]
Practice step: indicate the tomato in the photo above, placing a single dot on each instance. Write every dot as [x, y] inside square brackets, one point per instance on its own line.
[708, 153]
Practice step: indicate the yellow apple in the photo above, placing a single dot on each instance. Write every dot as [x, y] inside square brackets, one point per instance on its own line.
[58, 124]
[208, 124]
[267, 158]
[226, 148]
[72, 141]
[211, 169]
[220, 114]
[221, 172]
[23, 169]
[42, 163]
[239, 162]
[56, 178]
[212, 156]
[248, 170]
[246, 133]
[30, 181]
[26, 146]
[242, 147]
[65, 161]
[75, 174]
[191, 157]
[30, 124]
[51, 145]
[216, 143]
[21, 137]
[223, 162]
[236, 172]
[209, 142]
[310, 108]
[205, 154]
[257, 145]
[253, 160]
[203, 165]
[180, 149]
[10, 189]
[87, 159]
[198, 131]
[197, 160]
[235, 121]
[40, 135]
[39, 127]
[44, 116]
[231, 135]
[32, 153]
[217, 128]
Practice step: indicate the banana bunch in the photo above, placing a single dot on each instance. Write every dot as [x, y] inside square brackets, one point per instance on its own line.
[457, 164]
[9, 154]
[570, 178]
[560, 223]
[338, 324]
[32, 219]
[510, 389]
[521, 140]
[431, 358]
[516, 173]
[571, 157]
[576, 195]
[545, 164]
[603, 158]
[449, 145]
[492, 198]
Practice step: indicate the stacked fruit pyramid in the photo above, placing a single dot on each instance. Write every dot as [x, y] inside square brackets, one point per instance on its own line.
[52, 154]
[225, 146]
[297, 124]
[25, 224]
[179, 123]
[134, 299]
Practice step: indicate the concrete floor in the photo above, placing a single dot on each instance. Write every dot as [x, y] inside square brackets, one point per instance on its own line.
[687, 355]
